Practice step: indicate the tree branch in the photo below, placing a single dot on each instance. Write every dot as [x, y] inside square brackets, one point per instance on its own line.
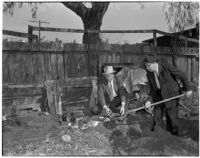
[76, 7]
[100, 8]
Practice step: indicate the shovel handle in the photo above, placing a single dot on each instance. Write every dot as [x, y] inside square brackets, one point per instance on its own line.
[156, 103]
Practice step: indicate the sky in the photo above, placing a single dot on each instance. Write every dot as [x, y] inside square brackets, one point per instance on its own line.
[119, 16]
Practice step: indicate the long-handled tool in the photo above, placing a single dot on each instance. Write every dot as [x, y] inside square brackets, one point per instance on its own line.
[153, 104]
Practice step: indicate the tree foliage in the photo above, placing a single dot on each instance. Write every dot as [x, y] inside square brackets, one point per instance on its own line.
[181, 15]
[8, 7]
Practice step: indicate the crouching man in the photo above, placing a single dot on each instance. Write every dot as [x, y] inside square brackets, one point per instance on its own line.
[111, 95]
[163, 85]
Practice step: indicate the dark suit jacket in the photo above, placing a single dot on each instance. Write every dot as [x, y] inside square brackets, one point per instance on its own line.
[168, 84]
[104, 94]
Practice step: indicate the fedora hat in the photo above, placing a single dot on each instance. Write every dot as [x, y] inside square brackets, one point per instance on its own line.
[108, 70]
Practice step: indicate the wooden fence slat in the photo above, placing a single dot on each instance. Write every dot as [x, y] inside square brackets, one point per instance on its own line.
[54, 66]
[47, 66]
[50, 97]
[83, 64]
[71, 69]
[61, 66]
[193, 70]
[13, 67]
[38, 68]
[189, 69]
[28, 68]
[5, 68]
[197, 70]
[66, 65]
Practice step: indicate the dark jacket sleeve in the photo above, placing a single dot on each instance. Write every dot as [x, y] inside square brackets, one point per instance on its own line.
[151, 85]
[180, 75]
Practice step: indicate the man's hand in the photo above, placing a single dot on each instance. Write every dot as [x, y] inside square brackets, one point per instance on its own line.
[147, 105]
[108, 111]
[149, 108]
[188, 94]
[122, 110]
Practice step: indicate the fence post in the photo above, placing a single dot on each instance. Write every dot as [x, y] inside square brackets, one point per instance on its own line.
[30, 33]
[154, 39]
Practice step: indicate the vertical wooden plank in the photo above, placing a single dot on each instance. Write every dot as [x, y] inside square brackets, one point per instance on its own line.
[193, 69]
[178, 61]
[70, 65]
[189, 68]
[61, 66]
[47, 65]
[66, 65]
[38, 68]
[54, 66]
[50, 96]
[197, 70]
[130, 59]
[113, 58]
[181, 64]
[24, 68]
[118, 58]
[73, 64]
[110, 58]
[78, 63]
[82, 65]
[122, 58]
[5, 67]
[13, 66]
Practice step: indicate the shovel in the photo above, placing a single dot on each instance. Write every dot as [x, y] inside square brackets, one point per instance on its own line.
[153, 104]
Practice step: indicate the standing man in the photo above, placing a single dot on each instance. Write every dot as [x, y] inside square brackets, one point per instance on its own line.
[111, 94]
[162, 82]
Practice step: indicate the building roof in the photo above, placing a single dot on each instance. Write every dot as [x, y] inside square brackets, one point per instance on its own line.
[166, 40]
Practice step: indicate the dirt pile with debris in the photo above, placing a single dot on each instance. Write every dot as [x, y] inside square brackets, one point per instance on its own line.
[39, 135]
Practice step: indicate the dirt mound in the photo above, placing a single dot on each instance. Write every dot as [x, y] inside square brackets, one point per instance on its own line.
[42, 135]
[138, 139]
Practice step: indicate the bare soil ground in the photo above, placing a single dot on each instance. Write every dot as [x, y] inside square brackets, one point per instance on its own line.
[41, 135]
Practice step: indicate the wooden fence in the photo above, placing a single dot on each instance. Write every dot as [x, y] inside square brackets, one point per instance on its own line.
[24, 72]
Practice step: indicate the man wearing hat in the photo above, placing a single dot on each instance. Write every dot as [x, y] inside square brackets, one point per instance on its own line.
[111, 94]
[163, 85]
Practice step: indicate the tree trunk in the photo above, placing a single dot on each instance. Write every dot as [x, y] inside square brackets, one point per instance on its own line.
[91, 23]
[91, 17]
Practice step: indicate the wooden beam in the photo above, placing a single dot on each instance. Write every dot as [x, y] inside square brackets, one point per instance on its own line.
[22, 86]
[18, 34]
[35, 28]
